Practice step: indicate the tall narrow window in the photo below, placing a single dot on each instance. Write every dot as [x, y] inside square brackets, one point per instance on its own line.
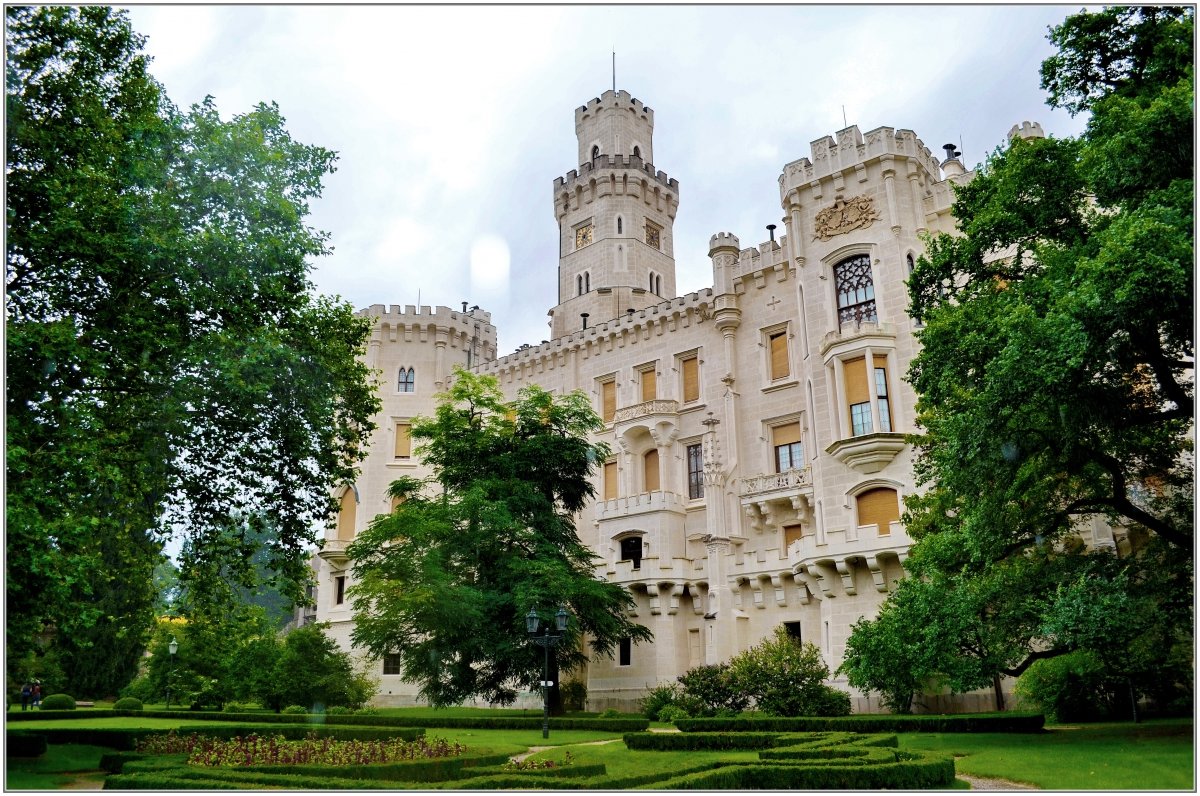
[619, 225]
[595, 152]
[858, 396]
[789, 454]
[637, 153]
[626, 654]
[339, 590]
[407, 380]
[587, 281]
[652, 476]
[855, 291]
[579, 285]
[879, 507]
[881, 392]
[608, 400]
[695, 465]
[610, 480]
[403, 441]
[346, 515]
[691, 379]
[658, 285]
[779, 356]
[649, 380]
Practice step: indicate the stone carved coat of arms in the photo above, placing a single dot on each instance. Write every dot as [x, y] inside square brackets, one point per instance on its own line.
[845, 215]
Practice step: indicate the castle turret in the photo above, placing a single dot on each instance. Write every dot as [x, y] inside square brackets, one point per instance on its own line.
[615, 215]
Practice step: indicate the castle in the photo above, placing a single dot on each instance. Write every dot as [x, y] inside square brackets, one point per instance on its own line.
[757, 426]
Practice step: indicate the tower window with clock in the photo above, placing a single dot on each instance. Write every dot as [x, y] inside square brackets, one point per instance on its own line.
[583, 235]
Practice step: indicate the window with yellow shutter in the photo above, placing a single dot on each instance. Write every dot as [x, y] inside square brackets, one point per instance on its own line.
[779, 356]
[651, 465]
[858, 394]
[610, 480]
[403, 441]
[691, 379]
[880, 506]
[608, 400]
[346, 515]
[789, 453]
[649, 380]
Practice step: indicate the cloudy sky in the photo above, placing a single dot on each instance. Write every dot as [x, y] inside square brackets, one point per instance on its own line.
[452, 122]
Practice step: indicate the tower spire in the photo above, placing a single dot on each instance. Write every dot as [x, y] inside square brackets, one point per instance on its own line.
[614, 70]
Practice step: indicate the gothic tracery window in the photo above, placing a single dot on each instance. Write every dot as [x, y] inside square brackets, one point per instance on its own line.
[407, 381]
[855, 291]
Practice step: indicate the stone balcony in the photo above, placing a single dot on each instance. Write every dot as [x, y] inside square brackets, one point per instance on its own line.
[868, 453]
[648, 412]
[845, 549]
[645, 503]
[334, 551]
[772, 499]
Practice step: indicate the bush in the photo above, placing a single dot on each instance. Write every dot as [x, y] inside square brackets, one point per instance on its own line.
[658, 698]
[611, 713]
[574, 695]
[338, 710]
[128, 703]
[234, 707]
[293, 710]
[366, 710]
[874, 723]
[58, 702]
[713, 688]
[1070, 687]
[785, 677]
[670, 713]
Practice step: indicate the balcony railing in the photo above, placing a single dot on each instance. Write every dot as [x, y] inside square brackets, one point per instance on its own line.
[775, 482]
[659, 406]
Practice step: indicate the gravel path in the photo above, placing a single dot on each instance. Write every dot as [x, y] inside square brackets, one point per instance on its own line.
[978, 783]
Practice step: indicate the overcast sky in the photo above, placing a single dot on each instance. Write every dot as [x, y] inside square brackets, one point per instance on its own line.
[451, 123]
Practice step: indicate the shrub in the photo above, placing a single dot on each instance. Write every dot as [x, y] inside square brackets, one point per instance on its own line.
[295, 709]
[58, 702]
[785, 677]
[713, 688]
[128, 703]
[658, 698]
[338, 710]
[366, 710]
[1070, 687]
[574, 695]
[234, 707]
[611, 713]
[670, 713]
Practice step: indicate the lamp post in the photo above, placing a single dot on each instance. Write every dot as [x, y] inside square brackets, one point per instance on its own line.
[546, 640]
[173, 648]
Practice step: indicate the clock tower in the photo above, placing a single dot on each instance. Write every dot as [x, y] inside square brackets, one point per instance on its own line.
[615, 218]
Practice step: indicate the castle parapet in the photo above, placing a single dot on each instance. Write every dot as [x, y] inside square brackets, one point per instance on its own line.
[1026, 130]
[851, 148]
[616, 100]
[631, 162]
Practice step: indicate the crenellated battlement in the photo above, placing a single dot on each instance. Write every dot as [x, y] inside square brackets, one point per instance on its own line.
[769, 254]
[693, 305]
[610, 100]
[851, 148]
[1026, 130]
[590, 170]
[425, 316]
[723, 240]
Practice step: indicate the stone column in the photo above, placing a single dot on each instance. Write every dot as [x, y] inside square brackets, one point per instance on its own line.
[663, 606]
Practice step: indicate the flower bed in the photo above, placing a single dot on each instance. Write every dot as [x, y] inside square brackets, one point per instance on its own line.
[256, 750]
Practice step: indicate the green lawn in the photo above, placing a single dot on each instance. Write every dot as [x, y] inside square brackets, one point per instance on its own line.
[1156, 755]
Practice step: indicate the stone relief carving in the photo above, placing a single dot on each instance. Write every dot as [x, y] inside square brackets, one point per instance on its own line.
[845, 215]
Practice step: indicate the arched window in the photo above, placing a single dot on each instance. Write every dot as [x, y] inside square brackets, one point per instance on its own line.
[658, 285]
[407, 382]
[346, 515]
[595, 152]
[651, 281]
[911, 264]
[855, 291]
[579, 285]
[652, 475]
[879, 507]
[618, 225]
[587, 281]
[637, 153]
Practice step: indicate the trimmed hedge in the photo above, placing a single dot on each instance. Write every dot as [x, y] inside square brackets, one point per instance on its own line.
[58, 702]
[126, 738]
[319, 719]
[25, 744]
[873, 723]
[907, 772]
[675, 741]
[128, 703]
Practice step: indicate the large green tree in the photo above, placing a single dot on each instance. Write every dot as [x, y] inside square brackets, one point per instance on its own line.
[1055, 378]
[168, 365]
[446, 580]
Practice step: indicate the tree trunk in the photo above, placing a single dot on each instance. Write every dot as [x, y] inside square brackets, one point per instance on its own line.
[555, 694]
[999, 691]
[1133, 701]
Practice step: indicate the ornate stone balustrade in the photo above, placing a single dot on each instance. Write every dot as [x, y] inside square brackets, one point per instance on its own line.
[774, 482]
[658, 406]
[644, 503]
[334, 551]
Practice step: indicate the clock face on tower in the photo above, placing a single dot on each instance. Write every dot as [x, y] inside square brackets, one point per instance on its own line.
[583, 236]
[652, 234]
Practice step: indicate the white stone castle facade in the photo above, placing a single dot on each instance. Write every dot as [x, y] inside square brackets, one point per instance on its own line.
[757, 426]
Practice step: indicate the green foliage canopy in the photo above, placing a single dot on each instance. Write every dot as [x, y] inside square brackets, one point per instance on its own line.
[1055, 385]
[168, 366]
[446, 580]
